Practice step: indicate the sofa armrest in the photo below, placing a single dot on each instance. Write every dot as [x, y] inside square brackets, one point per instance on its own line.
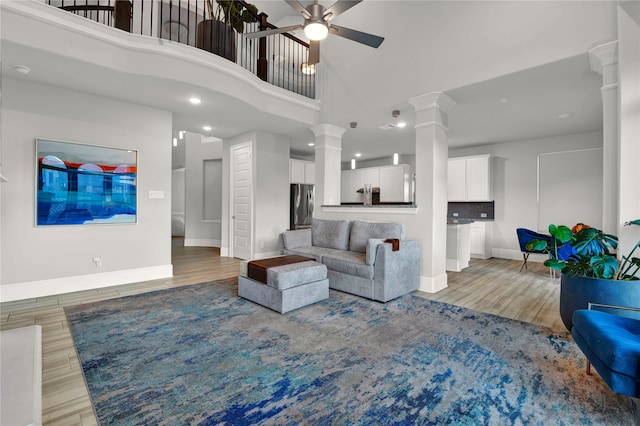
[371, 250]
[296, 238]
[396, 272]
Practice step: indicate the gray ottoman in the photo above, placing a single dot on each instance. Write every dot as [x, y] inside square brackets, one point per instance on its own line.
[287, 287]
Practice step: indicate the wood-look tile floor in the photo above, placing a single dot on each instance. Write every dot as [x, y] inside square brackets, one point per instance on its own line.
[495, 286]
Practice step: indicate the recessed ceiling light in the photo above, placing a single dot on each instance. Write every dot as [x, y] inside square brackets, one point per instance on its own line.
[206, 128]
[175, 141]
[564, 116]
[181, 134]
[504, 101]
[358, 154]
[311, 144]
[22, 69]
[194, 100]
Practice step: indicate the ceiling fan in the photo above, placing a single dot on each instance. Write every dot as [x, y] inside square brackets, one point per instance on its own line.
[317, 24]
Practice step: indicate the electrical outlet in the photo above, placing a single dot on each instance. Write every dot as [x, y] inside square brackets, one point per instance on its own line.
[97, 261]
[483, 215]
[455, 215]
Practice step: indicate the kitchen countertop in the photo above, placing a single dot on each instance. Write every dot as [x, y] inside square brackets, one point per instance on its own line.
[377, 206]
[459, 221]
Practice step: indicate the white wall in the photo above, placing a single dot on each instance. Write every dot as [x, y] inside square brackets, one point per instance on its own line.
[36, 259]
[178, 202]
[271, 193]
[515, 183]
[200, 231]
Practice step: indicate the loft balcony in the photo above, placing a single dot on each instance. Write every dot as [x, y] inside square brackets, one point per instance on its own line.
[277, 59]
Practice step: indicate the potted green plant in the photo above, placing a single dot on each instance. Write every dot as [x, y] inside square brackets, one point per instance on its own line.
[217, 33]
[592, 273]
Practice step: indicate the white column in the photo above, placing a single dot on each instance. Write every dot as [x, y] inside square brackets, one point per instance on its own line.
[432, 153]
[629, 116]
[328, 163]
[604, 60]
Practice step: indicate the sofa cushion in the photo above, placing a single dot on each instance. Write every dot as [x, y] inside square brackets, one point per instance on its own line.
[314, 252]
[297, 238]
[362, 231]
[333, 234]
[349, 262]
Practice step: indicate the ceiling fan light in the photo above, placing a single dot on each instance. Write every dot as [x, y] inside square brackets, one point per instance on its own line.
[307, 68]
[316, 31]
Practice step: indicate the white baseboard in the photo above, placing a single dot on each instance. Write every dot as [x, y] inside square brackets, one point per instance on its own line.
[257, 256]
[456, 265]
[517, 255]
[224, 251]
[433, 284]
[201, 242]
[33, 289]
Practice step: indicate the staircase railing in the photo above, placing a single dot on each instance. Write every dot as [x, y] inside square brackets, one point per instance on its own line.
[277, 59]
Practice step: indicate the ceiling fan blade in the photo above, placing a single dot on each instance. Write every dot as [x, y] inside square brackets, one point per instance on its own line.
[359, 36]
[266, 33]
[314, 52]
[299, 7]
[338, 7]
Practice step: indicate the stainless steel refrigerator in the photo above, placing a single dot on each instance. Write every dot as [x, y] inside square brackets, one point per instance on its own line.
[301, 206]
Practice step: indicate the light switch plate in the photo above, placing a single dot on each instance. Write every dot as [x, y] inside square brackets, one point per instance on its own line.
[156, 194]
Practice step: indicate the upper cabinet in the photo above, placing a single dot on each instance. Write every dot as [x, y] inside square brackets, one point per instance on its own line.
[302, 171]
[393, 181]
[469, 178]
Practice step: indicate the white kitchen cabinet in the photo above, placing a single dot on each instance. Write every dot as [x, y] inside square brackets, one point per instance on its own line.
[480, 239]
[457, 180]
[469, 178]
[302, 171]
[349, 187]
[395, 183]
[309, 172]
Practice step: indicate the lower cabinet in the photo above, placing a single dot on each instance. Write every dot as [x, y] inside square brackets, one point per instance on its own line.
[480, 235]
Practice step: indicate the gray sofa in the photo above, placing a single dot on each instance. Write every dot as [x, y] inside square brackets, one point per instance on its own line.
[357, 259]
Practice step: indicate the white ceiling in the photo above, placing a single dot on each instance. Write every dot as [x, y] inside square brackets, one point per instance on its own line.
[535, 95]
[521, 105]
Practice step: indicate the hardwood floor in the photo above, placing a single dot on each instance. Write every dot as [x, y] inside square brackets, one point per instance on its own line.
[495, 286]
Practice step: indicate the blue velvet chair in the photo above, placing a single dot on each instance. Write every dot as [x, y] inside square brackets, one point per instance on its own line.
[525, 235]
[611, 344]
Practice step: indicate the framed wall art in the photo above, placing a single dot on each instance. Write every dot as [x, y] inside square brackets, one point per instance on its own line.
[81, 184]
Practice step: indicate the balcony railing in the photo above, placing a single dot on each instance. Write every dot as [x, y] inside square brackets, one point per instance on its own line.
[276, 59]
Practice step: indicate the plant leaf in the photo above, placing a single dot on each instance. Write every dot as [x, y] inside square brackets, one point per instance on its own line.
[604, 266]
[632, 222]
[536, 245]
[562, 233]
[556, 264]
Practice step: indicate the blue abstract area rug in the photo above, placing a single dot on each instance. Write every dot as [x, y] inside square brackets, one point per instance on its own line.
[202, 355]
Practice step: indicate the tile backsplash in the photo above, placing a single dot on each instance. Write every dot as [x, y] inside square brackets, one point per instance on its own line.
[479, 210]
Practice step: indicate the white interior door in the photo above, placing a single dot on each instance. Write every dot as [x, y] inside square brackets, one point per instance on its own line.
[242, 200]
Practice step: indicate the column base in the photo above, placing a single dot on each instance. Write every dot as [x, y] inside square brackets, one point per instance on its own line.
[433, 284]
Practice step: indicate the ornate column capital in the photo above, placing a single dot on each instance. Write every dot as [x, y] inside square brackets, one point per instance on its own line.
[328, 130]
[433, 100]
[603, 55]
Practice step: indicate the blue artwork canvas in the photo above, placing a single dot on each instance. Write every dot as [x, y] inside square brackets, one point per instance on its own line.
[80, 184]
